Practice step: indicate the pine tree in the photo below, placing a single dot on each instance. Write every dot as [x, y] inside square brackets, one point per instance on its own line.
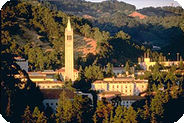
[38, 116]
[78, 108]
[27, 116]
[127, 67]
[146, 112]
[109, 72]
[64, 110]
[153, 119]
[95, 118]
[103, 110]
[130, 115]
[118, 114]
[181, 65]
[111, 117]
[156, 106]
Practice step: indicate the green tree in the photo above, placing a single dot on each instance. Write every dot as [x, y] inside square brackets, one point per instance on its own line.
[127, 67]
[93, 73]
[86, 30]
[123, 35]
[156, 105]
[102, 112]
[118, 114]
[130, 115]
[78, 108]
[27, 116]
[64, 109]
[109, 72]
[38, 117]
[181, 65]
[145, 112]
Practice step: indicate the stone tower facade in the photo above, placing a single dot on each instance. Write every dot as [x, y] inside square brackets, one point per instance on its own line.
[69, 58]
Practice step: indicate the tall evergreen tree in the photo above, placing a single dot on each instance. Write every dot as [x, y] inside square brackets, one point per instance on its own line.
[130, 115]
[64, 109]
[118, 114]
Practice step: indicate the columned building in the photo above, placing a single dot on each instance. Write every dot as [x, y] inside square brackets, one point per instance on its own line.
[69, 58]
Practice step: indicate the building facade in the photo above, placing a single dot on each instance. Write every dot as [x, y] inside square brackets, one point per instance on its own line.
[62, 73]
[51, 97]
[127, 86]
[146, 62]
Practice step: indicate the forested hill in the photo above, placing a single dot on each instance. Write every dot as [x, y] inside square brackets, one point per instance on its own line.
[162, 11]
[161, 26]
[90, 9]
[36, 31]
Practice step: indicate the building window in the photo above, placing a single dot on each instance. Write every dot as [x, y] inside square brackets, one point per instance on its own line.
[69, 37]
[51, 104]
[117, 86]
[126, 86]
[142, 86]
[56, 103]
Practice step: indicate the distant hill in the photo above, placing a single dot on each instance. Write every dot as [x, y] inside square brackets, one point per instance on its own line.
[162, 11]
[82, 8]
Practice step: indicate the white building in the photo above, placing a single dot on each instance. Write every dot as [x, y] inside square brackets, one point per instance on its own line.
[51, 97]
[146, 62]
[49, 84]
[127, 86]
[117, 70]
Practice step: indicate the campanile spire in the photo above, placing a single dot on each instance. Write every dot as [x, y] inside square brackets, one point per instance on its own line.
[69, 28]
[69, 57]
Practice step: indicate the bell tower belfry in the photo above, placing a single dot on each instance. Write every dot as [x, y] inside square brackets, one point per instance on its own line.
[69, 64]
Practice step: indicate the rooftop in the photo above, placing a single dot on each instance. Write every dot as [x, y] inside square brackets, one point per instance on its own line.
[131, 98]
[111, 92]
[120, 80]
[63, 70]
[49, 82]
[39, 76]
[55, 93]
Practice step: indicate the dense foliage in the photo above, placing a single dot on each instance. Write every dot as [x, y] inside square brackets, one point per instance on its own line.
[162, 26]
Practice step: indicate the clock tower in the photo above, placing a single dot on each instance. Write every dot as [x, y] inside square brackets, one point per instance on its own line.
[69, 64]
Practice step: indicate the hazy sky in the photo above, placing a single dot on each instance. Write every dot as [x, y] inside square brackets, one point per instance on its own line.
[146, 3]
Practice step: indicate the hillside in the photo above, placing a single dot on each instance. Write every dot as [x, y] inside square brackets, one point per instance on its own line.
[82, 8]
[161, 26]
[137, 14]
[84, 46]
[162, 11]
[39, 29]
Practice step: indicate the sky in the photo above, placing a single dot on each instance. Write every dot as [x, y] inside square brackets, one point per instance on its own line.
[146, 3]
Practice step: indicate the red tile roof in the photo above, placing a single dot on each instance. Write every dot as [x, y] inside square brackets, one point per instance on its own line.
[63, 70]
